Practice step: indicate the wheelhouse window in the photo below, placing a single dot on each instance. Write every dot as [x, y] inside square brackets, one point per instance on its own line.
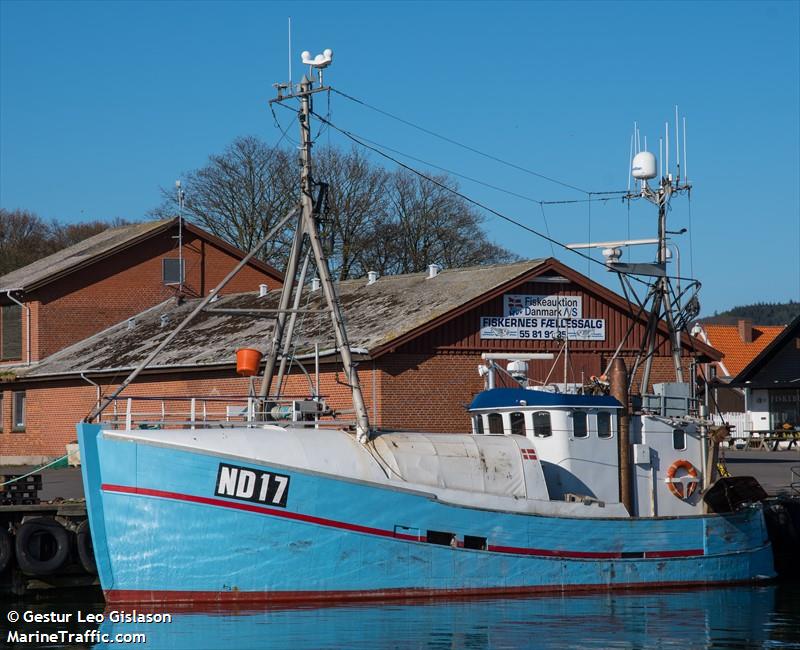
[678, 439]
[541, 424]
[495, 423]
[579, 429]
[517, 424]
[604, 424]
[10, 332]
[18, 421]
[477, 424]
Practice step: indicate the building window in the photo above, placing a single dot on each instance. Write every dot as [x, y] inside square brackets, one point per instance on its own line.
[517, 424]
[18, 422]
[679, 439]
[495, 423]
[477, 424]
[784, 408]
[579, 429]
[604, 424]
[11, 333]
[541, 424]
[172, 270]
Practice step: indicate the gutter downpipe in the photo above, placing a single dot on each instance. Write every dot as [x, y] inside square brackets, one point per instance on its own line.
[27, 324]
[97, 387]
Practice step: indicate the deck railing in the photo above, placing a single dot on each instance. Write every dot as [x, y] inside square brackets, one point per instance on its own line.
[176, 412]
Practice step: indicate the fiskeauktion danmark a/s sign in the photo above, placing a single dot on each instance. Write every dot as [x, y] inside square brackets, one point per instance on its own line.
[543, 317]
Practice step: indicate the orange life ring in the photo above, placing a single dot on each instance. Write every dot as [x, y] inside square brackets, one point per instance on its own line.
[676, 486]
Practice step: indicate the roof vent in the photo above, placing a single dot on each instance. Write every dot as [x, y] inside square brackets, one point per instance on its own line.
[164, 320]
[372, 277]
[263, 289]
[315, 284]
[433, 270]
[215, 298]
[131, 323]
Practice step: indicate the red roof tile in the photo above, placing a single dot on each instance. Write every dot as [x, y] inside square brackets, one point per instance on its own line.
[738, 353]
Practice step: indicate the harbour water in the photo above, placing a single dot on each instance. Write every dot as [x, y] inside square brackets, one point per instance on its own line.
[732, 617]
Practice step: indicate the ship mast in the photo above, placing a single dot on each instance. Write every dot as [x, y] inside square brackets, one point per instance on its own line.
[308, 231]
[663, 300]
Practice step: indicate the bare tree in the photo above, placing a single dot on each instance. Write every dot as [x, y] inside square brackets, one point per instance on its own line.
[240, 195]
[431, 224]
[372, 219]
[23, 239]
[356, 207]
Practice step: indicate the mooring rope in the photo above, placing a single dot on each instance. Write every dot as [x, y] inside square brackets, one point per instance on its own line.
[19, 478]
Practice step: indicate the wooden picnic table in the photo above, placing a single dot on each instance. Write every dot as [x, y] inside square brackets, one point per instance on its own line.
[769, 440]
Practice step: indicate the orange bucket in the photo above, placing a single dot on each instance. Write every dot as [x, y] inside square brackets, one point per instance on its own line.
[247, 362]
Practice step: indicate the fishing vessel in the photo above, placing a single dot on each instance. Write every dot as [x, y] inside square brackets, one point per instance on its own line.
[556, 487]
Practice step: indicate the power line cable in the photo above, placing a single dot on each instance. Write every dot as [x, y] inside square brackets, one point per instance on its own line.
[538, 233]
[460, 144]
[606, 196]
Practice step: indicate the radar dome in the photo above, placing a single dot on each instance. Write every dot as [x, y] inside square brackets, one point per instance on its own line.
[644, 166]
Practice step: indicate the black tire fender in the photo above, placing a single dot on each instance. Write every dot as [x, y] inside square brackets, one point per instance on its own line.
[32, 537]
[6, 549]
[83, 537]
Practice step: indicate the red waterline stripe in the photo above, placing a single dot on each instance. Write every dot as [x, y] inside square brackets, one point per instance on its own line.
[332, 523]
[197, 599]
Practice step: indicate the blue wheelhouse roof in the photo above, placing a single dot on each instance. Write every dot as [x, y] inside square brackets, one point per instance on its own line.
[506, 397]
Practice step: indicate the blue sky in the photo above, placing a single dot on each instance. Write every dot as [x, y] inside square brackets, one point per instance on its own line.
[103, 103]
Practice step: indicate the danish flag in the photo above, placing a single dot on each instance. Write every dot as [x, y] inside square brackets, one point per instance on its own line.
[528, 453]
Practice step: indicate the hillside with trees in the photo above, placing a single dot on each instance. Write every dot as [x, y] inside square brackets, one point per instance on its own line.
[762, 313]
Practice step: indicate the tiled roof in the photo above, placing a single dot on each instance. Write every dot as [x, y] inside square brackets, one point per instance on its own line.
[376, 314]
[738, 353]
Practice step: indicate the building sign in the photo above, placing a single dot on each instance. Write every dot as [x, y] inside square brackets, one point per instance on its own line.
[543, 318]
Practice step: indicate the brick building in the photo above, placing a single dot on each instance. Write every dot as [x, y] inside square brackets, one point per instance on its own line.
[76, 292]
[417, 339]
[68, 296]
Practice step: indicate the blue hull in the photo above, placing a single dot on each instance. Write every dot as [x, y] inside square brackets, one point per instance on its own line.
[162, 532]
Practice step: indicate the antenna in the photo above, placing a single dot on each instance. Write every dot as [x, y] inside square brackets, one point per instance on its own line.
[685, 163]
[666, 147]
[677, 145]
[661, 157]
[290, 53]
[630, 164]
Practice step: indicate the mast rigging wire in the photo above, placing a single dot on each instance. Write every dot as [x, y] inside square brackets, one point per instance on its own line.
[460, 144]
[474, 202]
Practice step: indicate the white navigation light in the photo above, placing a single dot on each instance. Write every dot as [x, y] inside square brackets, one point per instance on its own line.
[320, 61]
[644, 166]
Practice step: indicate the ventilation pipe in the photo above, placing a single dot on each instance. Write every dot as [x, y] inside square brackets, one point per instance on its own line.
[618, 379]
[263, 289]
[315, 284]
[433, 270]
[372, 277]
